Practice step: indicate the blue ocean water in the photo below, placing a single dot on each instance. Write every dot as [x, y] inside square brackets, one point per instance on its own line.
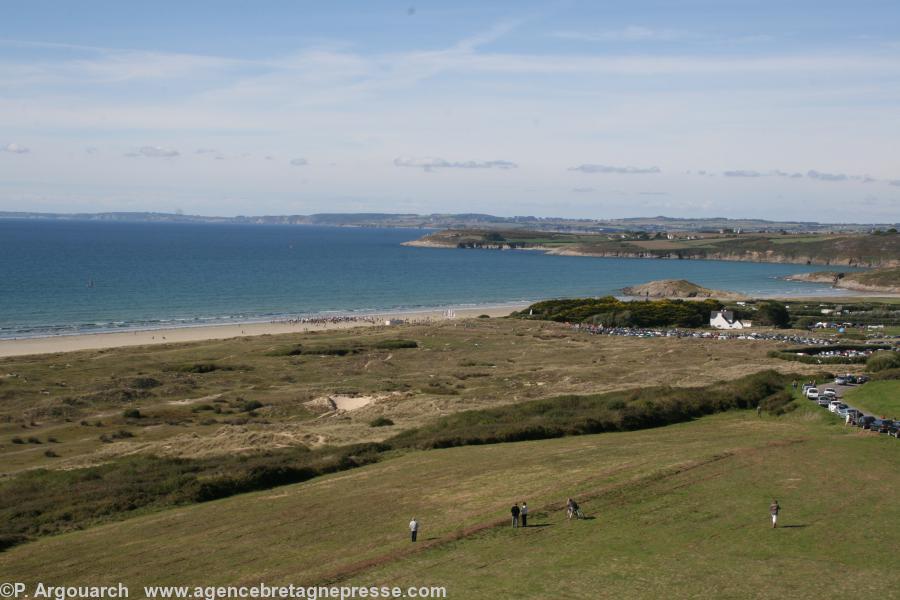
[60, 277]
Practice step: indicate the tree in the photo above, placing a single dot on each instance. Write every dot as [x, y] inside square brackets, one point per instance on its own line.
[882, 360]
[773, 313]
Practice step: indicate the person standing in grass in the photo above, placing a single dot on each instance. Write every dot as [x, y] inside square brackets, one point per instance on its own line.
[514, 511]
[524, 513]
[413, 528]
[774, 508]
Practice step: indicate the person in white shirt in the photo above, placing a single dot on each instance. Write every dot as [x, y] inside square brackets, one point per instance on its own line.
[413, 528]
[524, 514]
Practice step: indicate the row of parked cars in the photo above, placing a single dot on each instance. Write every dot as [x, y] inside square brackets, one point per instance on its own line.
[828, 398]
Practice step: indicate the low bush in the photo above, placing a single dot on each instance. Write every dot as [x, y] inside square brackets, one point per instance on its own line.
[199, 368]
[611, 312]
[882, 361]
[380, 422]
[577, 415]
[395, 344]
[145, 383]
[131, 413]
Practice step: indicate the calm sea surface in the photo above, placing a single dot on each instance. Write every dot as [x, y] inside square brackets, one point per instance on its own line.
[60, 277]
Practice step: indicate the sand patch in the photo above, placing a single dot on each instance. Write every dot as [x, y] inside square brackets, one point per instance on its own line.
[188, 401]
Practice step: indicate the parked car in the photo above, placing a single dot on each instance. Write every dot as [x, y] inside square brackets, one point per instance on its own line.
[823, 401]
[812, 393]
[841, 410]
[830, 392]
[865, 421]
[862, 378]
[840, 380]
[881, 425]
[834, 405]
[894, 428]
[854, 414]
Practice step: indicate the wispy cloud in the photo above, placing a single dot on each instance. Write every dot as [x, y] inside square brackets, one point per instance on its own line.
[812, 174]
[632, 33]
[299, 162]
[606, 169]
[16, 149]
[895, 182]
[431, 164]
[153, 152]
[742, 173]
[583, 190]
[206, 151]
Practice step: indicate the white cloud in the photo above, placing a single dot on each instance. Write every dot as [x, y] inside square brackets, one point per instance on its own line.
[742, 173]
[632, 33]
[606, 169]
[16, 149]
[153, 152]
[430, 164]
[826, 176]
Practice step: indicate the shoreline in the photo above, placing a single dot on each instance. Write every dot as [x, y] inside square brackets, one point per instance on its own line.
[53, 344]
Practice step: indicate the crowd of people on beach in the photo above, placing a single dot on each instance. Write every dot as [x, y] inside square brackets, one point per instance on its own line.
[329, 320]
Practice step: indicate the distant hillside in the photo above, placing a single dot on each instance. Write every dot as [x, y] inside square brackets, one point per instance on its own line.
[474, 221]
[861, 250]
[878, 280]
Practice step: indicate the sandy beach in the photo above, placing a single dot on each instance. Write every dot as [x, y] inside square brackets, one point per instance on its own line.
[97, 341]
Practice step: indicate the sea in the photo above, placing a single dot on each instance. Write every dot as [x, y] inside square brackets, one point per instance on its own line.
[61, 277]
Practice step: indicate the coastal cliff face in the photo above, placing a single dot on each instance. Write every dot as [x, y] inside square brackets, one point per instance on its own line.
[867, 251]
[878, 280]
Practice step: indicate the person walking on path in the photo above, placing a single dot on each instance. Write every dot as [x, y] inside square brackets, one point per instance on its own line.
[524, 513]
[413, 528]
[759, 410]
[514, 511]
[773, 510]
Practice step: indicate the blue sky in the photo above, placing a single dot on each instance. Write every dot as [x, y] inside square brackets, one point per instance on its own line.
[584, 109]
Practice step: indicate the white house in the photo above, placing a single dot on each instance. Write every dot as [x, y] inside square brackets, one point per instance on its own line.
[725, 319]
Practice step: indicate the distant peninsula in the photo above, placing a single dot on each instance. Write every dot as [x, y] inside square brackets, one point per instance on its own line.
[870, 250]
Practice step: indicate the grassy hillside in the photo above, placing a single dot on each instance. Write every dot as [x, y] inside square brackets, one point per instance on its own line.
[679, 511]
[877, 398]
[866, 250]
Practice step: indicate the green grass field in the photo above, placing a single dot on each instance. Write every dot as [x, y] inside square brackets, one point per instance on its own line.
[679, 511]
[877, 398]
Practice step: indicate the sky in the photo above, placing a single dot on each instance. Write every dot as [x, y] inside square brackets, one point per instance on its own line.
[725, 108]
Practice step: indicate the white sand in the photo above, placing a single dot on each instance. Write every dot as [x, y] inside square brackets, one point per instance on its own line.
[96, 341]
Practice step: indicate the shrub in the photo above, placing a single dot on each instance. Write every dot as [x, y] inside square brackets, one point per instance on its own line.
[51, 454]
[484, 316]
[883, 360]
[395, 344]
[770, 312]
[33, 440]
[18, 440]
[199, 368]
[145, 383]
[250, 405]
[8, 541]
[380, 422]
[132, 413]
